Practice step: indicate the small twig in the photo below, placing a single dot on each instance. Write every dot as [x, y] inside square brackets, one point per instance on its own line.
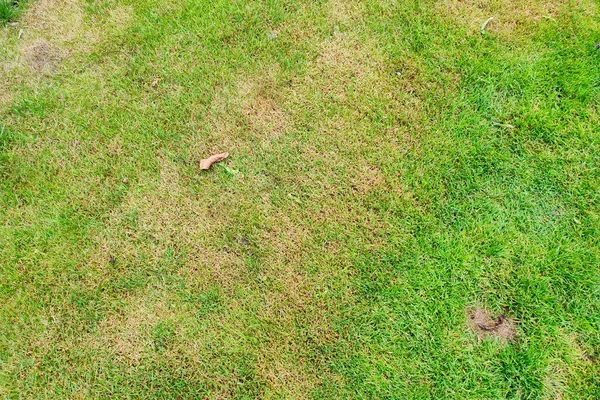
[487, 21]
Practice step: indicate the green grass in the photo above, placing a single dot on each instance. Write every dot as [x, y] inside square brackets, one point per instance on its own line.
[390, 170]
[8, 11]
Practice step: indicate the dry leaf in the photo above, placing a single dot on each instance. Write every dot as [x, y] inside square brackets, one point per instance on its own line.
[207, 162]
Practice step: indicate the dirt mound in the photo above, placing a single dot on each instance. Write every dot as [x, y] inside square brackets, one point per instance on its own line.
[485, 326]
[41, 55]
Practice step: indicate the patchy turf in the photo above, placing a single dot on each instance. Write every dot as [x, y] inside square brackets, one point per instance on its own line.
[396, 183]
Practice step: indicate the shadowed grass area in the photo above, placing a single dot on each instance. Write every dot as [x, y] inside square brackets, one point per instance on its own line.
[391, 170]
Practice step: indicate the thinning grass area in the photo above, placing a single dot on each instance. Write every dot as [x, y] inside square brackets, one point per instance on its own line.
[392, 173]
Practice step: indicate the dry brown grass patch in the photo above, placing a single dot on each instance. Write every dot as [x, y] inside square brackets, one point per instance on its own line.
[344, 60]
[120, 17]
[242, 114]
[265, 117]
[302, 321]
[52, 32]
[60, 24]
[508, 15]
[260, 105]
[127, 331]
[366, 179]
[344, 11]
[208, 267]
[289, 378]
[485, 326]
[292, 303]
[169, 218]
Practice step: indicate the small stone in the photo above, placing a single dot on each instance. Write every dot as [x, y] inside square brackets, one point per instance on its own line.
[273, 36]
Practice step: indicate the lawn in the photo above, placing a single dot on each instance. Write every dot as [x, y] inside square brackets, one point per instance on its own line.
[397, 170]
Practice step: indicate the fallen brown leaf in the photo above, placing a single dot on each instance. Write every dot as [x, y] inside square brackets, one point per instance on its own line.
[207, 162]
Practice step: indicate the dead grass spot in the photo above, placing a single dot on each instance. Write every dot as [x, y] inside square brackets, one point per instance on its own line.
[121, 17]
[344, 11]
[343, 60]
[127, 332]
[53, 31]
[485, 326]
[508, 15]
[247, 111]
[261, 108]
[159, 215]
[6, 97]
[292, 299]
[266, 117]
[366, 179]
[41, 55]
[60, 23]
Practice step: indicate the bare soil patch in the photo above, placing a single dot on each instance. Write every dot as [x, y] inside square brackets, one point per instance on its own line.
[486, 326]
[41, 55]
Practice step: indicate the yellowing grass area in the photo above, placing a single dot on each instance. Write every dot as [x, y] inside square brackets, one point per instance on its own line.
[410, 208]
